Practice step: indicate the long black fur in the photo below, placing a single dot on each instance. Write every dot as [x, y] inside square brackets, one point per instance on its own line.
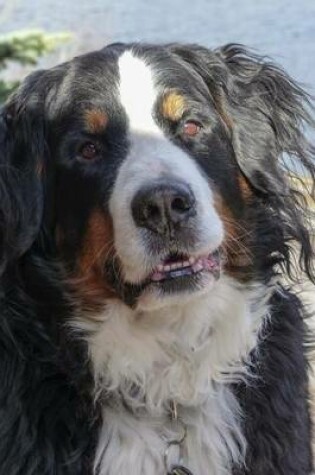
[48, 420]
[276, 406]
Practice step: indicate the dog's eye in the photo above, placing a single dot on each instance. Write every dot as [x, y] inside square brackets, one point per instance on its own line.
[191, 128]
[88, 151]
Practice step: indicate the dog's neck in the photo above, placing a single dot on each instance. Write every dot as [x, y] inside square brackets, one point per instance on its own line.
[174, 354]
[143, 362]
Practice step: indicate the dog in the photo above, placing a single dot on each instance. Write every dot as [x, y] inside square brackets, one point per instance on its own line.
[149, 226]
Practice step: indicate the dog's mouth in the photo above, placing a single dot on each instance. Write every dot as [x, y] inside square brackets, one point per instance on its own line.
[176, 273]
[179, 266]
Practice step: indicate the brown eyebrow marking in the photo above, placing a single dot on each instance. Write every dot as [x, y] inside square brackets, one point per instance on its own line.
[96, 120]
[173, 106]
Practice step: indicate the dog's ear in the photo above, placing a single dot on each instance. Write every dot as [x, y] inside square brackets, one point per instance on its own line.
[267, 115]
[272, 117]
[270, 113]
[22, 149]
[265, 110]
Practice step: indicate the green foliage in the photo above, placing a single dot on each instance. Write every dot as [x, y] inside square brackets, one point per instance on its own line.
[25, 48]
[6, 87]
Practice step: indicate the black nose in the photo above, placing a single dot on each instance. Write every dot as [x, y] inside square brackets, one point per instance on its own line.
[164, 207]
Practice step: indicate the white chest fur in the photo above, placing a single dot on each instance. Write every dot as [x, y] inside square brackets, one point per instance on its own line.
[138, 446]
[187, 354]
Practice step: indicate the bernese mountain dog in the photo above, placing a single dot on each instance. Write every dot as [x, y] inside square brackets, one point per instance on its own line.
[152, 224]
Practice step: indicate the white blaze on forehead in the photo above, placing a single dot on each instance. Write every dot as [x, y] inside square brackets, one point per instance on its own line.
[137, 92]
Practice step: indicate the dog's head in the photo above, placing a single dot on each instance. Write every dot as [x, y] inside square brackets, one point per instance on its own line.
[153, 169]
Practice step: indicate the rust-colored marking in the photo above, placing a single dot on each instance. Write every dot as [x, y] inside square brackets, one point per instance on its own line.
[245, 187]
[96, 121]
[173, 106]
[236, 242]
[98, 240]
[90, 280]
[226, 216]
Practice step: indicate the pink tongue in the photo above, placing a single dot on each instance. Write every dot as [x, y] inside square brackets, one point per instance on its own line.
[157, 276]
[203, 263]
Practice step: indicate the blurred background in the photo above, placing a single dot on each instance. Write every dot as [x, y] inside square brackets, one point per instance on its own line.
[282, 29]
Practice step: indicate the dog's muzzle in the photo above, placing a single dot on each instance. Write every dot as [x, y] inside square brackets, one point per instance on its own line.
[174, 238]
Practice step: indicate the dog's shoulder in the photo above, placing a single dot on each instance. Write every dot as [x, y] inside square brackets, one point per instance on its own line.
[275, 401]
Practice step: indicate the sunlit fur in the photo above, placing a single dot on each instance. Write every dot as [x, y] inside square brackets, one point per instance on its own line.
[93, 357]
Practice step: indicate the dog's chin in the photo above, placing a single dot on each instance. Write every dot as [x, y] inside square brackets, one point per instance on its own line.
[176, 292]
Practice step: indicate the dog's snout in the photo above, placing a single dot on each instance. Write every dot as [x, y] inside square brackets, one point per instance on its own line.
[164, 207]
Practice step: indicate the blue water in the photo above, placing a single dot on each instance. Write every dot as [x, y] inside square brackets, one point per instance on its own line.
[283, 29]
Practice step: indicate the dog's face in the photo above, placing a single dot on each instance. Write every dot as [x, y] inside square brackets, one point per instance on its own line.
[152, 171]
[146, 178]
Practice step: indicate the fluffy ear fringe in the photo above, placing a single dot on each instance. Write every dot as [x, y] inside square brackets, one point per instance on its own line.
[270, 120]
[287, 174]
